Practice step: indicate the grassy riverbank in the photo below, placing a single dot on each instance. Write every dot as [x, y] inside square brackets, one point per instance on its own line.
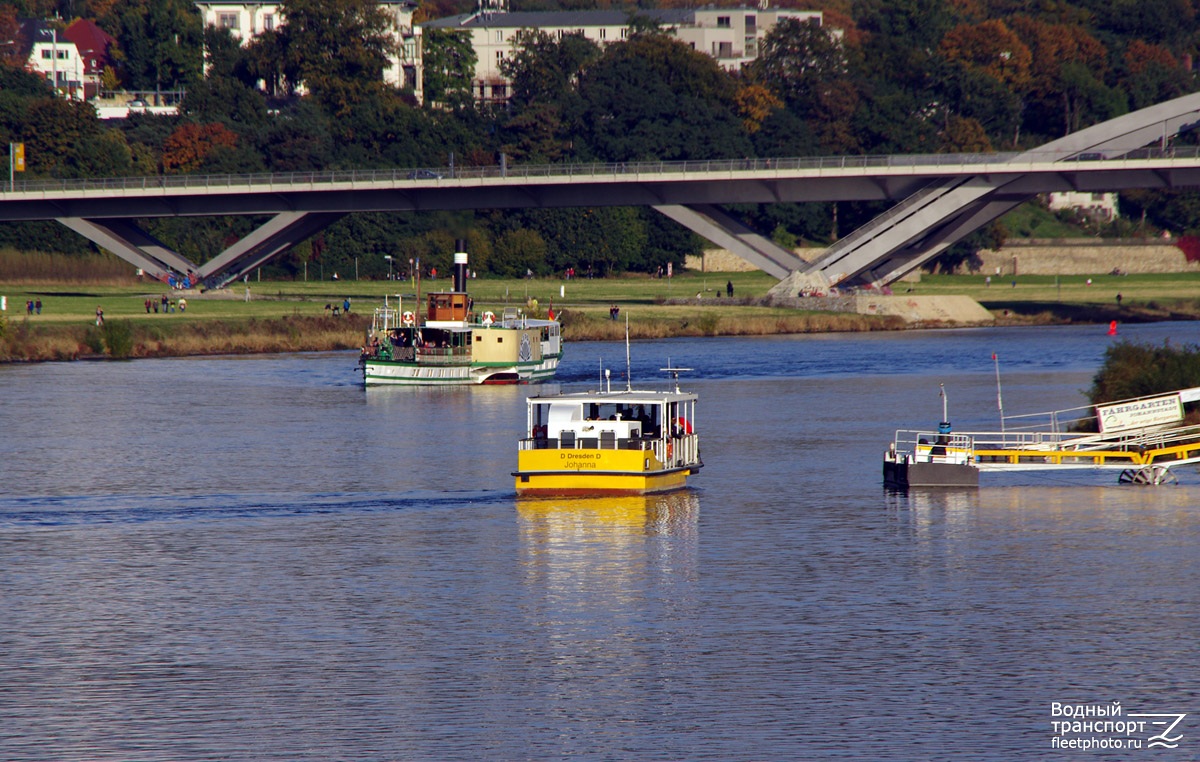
[285, 316]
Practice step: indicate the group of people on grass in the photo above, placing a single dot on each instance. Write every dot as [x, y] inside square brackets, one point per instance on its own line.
[167, 305]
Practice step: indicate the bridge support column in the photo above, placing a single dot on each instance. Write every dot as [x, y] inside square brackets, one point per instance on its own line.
[715, 225]
[276, 236]
[132, 244]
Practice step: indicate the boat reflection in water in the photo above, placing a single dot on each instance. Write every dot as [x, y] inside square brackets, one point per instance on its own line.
[667, 513]
[611, 538]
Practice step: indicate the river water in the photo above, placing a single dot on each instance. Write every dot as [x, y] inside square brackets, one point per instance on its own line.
[253, 558]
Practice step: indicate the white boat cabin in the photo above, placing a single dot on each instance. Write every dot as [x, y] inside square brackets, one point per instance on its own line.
[619, 420]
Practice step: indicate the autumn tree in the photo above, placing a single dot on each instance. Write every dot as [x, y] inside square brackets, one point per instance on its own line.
[1151, 74]
[191, 144]
[990, 48]
[755, 103]
[10, 44]
[1067, 73]
[971, 93]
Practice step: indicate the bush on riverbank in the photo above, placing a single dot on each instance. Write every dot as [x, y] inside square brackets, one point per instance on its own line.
[33, 342]
[1138, 370]
[28, 342]
[40, 267]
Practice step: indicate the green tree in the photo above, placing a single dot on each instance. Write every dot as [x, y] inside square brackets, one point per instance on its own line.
[600, 240]
[65, 139]
[800, 60]
[228, 101]
[449, 62]
[161, 42]
[901, 36]
[337, 48]
[518, 251]
[297, 138]
[655, 98]
[543, 71]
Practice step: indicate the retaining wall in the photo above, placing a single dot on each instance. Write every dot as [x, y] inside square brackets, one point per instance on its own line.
[1085, 257]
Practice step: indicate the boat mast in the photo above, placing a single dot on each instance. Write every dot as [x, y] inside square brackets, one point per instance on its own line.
[628, 366]
[999, 399]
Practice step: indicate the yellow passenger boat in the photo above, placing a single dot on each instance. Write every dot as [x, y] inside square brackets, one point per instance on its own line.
[609, 443]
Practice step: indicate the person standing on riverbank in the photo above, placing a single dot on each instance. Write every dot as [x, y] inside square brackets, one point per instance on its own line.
[99, 315]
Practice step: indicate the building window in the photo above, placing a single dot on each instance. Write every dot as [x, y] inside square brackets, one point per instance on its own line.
[46, 54]
[227, 20]
[751, 25]
[269, 21]
[500, 92]
[624, 32]
[499, 35]
[723, 22]
[499, 57]
[723, 49]
[603, 33]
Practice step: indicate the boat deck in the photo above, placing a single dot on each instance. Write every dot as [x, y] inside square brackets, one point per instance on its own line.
[1141, 453]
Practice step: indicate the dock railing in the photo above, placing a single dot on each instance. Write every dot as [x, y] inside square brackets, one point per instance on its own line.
[995, 450]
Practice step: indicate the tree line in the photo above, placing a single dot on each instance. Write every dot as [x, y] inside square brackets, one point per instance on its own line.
[880, 76]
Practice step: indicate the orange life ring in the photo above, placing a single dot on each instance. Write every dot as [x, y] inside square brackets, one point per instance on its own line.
[670, 451]
[409, 318]
[489, 318]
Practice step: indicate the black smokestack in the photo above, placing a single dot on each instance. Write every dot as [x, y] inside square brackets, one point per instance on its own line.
[460, 265]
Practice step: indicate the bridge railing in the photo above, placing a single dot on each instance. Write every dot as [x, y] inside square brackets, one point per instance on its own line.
[434, 177]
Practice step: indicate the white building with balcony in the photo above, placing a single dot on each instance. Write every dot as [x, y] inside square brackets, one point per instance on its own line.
[730, 35]
[246, 20]
[1100, 207]
[48, 53]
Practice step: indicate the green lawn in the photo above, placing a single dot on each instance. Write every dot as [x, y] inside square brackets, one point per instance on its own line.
[75, 302]
[1073, 289]
[639, 294]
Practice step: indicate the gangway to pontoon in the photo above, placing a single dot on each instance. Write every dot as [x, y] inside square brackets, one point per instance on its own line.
[1142, 438]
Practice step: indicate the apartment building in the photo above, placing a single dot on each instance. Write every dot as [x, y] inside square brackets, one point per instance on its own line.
[730, 35]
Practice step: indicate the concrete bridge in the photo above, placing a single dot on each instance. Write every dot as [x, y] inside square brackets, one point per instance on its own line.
[943, 197]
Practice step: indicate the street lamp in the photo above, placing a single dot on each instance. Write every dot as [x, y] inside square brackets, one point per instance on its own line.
[388, 257]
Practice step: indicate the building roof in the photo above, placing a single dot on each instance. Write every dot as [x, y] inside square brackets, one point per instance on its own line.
[93, 43]
[537, 19]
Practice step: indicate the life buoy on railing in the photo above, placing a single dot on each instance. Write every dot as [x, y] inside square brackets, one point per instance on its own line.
[670, 451]
[489, 318]
[409, 318]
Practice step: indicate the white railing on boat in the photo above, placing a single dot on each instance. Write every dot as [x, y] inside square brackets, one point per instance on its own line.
[683, 450]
